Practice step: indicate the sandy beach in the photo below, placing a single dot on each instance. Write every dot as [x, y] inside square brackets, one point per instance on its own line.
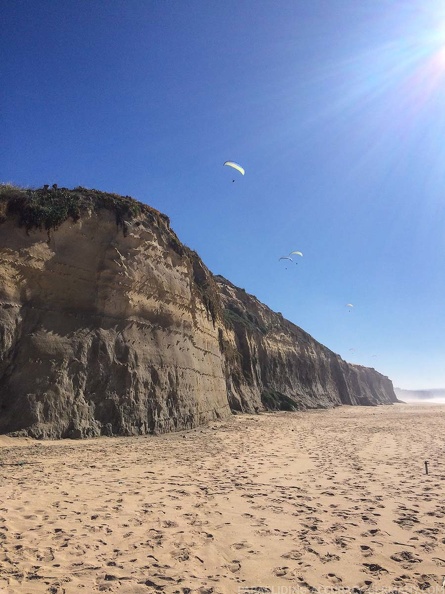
[288, 502]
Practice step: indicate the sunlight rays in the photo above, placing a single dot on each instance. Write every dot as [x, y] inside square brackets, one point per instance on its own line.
[389, 97]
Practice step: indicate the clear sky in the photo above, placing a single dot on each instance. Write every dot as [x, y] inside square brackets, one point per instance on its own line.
[335, 108]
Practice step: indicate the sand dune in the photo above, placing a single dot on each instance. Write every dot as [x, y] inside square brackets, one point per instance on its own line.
[280, 503]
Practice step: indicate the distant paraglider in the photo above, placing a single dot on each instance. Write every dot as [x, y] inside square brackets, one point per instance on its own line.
[235, 166]
[285, 258]
[294, 253]
[349, 306]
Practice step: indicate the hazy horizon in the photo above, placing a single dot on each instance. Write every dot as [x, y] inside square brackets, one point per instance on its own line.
[436, 395]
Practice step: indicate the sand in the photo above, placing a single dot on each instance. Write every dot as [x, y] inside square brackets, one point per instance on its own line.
[279, 503]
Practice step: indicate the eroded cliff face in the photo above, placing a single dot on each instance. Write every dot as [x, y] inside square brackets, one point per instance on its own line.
[110, 326]
[105, 332]
[273, 364]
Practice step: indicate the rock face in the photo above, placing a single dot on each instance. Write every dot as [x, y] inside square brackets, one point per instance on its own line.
[110, 326]
[273, 364]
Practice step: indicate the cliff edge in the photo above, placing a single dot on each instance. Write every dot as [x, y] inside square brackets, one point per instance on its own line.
[109, 325]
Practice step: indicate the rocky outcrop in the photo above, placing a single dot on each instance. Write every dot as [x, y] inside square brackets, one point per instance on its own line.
[110, 326]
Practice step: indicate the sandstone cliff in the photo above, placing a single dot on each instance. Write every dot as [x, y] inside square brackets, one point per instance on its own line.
[273, 364]
[109, 325]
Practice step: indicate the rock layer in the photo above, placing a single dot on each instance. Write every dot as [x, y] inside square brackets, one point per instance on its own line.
[110, 326]
[273, 364]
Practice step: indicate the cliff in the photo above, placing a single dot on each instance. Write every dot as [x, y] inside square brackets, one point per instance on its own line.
[110, 326]
[273, 364]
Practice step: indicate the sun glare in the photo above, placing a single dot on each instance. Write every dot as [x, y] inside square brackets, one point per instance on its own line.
[440, 57]
[436, 39]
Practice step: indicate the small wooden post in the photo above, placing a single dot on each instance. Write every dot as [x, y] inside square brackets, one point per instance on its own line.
[426, 467]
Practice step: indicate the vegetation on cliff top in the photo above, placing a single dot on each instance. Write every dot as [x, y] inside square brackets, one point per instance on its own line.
[49, 207]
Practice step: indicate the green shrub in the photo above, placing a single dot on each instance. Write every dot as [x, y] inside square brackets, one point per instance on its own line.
[47, 208]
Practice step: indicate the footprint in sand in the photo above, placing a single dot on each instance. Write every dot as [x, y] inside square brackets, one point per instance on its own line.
[240, 545]
[372, 532]
[367, 551]
[400, 580]
[295, 555]
[336, 527]
[424, 584]
[406, 558]
[368, 520]
[430, 532]
[406, 520]
[46, 555]
[343, 541]
[428, 547]
[280, 571]
[334, 579]
[234, 566]
[374, 568]
[328, 557]
[181, 554]
[57, 588]
[303, 583]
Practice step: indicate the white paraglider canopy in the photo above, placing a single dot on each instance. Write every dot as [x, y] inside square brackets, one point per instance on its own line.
[235, 166]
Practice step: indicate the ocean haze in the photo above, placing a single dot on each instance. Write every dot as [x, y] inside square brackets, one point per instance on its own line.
[436, 396]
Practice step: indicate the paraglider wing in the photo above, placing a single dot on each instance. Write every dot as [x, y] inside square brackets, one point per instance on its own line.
[285, 258]
[235, 166]
[349, 305]
[297, 254]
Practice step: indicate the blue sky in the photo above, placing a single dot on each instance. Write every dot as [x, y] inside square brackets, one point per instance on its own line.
[335, 108]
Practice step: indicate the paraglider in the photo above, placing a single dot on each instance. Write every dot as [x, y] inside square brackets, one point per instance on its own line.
[349, 306]
[235, 166]
[296, 253]
[285, 258]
